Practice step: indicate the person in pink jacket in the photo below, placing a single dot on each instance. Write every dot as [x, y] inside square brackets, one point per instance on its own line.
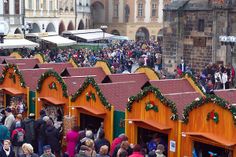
[72, 137]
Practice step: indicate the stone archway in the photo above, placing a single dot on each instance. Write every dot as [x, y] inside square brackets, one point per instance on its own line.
[142, 34]
[81, 25]
[98, 13]
[61, 27]
[50, 28]
[115, 32]
[18, 31]
[71, 26]
[35, 28]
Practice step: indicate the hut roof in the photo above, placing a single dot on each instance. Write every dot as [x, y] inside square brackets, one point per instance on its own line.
[29, 62]
[140, 78]
[58, 67]
[173, 86]
[31, 76]
[229, 95]
[118, 93]
[85, 71]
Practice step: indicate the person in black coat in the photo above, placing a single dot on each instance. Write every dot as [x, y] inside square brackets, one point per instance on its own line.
[53, 137]
[101, 141]
[7, 150]
[30, 134]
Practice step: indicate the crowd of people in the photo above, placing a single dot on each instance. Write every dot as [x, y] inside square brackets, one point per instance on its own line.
[30, 137]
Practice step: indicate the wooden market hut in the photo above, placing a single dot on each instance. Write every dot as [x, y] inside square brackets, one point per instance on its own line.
[97, 102]
[14, 92]
[58, 67]
[31, 77]
[151, 74]
[52, 94]
[85, 71]
[209, 128]
[140, 78]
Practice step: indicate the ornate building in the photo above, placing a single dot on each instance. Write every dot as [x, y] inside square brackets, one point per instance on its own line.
[136, 19]
[192, 29]
[83, 16]
[41, 16]
[11, 12]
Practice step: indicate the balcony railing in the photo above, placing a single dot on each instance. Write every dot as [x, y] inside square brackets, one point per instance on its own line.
[41, 13]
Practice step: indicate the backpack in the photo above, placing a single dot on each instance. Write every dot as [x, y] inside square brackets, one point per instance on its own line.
[20, 135]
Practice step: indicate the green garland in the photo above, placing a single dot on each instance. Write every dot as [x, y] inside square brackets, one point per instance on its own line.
[12, 76]
[158, 95]
[150, 69]
[108, 65]
[214, 116]
[57, 76]
[203, 100]
[187, 74]
[87, 82]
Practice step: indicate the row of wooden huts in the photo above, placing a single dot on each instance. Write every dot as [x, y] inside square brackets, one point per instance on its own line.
[138, 104]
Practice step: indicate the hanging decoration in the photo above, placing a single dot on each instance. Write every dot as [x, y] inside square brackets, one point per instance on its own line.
[52, 85]
[12, 75]
[57, 76]
[151, 106]
[158, 95]
[214, 116]
[87, 82]
[90, 95]
[207, 99]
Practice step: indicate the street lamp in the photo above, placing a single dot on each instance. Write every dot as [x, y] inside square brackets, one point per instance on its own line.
[103, 28]
[228, 40]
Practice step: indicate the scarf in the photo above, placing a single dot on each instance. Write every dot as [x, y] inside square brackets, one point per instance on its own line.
[7, 151]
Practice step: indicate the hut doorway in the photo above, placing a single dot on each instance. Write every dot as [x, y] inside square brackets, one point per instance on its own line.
[204, 150]
[90, 122]
[55, 112]
[17, 103]
[145, 136]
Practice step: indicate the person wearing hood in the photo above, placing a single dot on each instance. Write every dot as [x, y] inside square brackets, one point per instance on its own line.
[29, 124]
[53, 138]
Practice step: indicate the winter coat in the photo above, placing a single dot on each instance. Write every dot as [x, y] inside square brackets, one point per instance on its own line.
[40, 127]
[32, 155]
[86, 152]
[100, 142]
[71, 139]
[45, 155]
[53, 138]
[136, 154]
[4, 133]
[224, 78]
[13, 126]
[3, 153]
[115, 142]
[29, 125]
[14, 137]
[99, 155]
[9, 120]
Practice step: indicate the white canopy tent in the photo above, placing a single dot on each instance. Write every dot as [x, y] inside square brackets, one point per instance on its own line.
[83, 31]
[59, 41]
[17, 43]
[94, 36]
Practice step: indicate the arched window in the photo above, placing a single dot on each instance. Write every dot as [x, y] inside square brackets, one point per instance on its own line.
[154, 8]
[6, 6]
[17, 7]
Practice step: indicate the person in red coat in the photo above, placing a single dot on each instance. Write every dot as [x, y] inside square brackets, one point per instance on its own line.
[137, 151]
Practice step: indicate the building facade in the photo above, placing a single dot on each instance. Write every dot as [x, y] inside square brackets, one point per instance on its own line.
[83, 14]
[137, 19]
[191, 32]
[41, 16]
[11, 12]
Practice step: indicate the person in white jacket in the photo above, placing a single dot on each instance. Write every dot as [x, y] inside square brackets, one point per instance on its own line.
[224, 78]
[218, 79]
[9, 119]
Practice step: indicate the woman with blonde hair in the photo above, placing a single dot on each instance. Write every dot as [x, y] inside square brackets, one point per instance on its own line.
[103, 151]
[87, 150]
[123, 147]
[28, 151]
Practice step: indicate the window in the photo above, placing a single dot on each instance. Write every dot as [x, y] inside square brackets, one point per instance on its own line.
[140, 9]
[6, 6]
[154, 9]
[199, 41]
[116, 10]
[37, 4]
[201, 25]
[44, 4]
[17, 7]
[50, 5]
[30, 4]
